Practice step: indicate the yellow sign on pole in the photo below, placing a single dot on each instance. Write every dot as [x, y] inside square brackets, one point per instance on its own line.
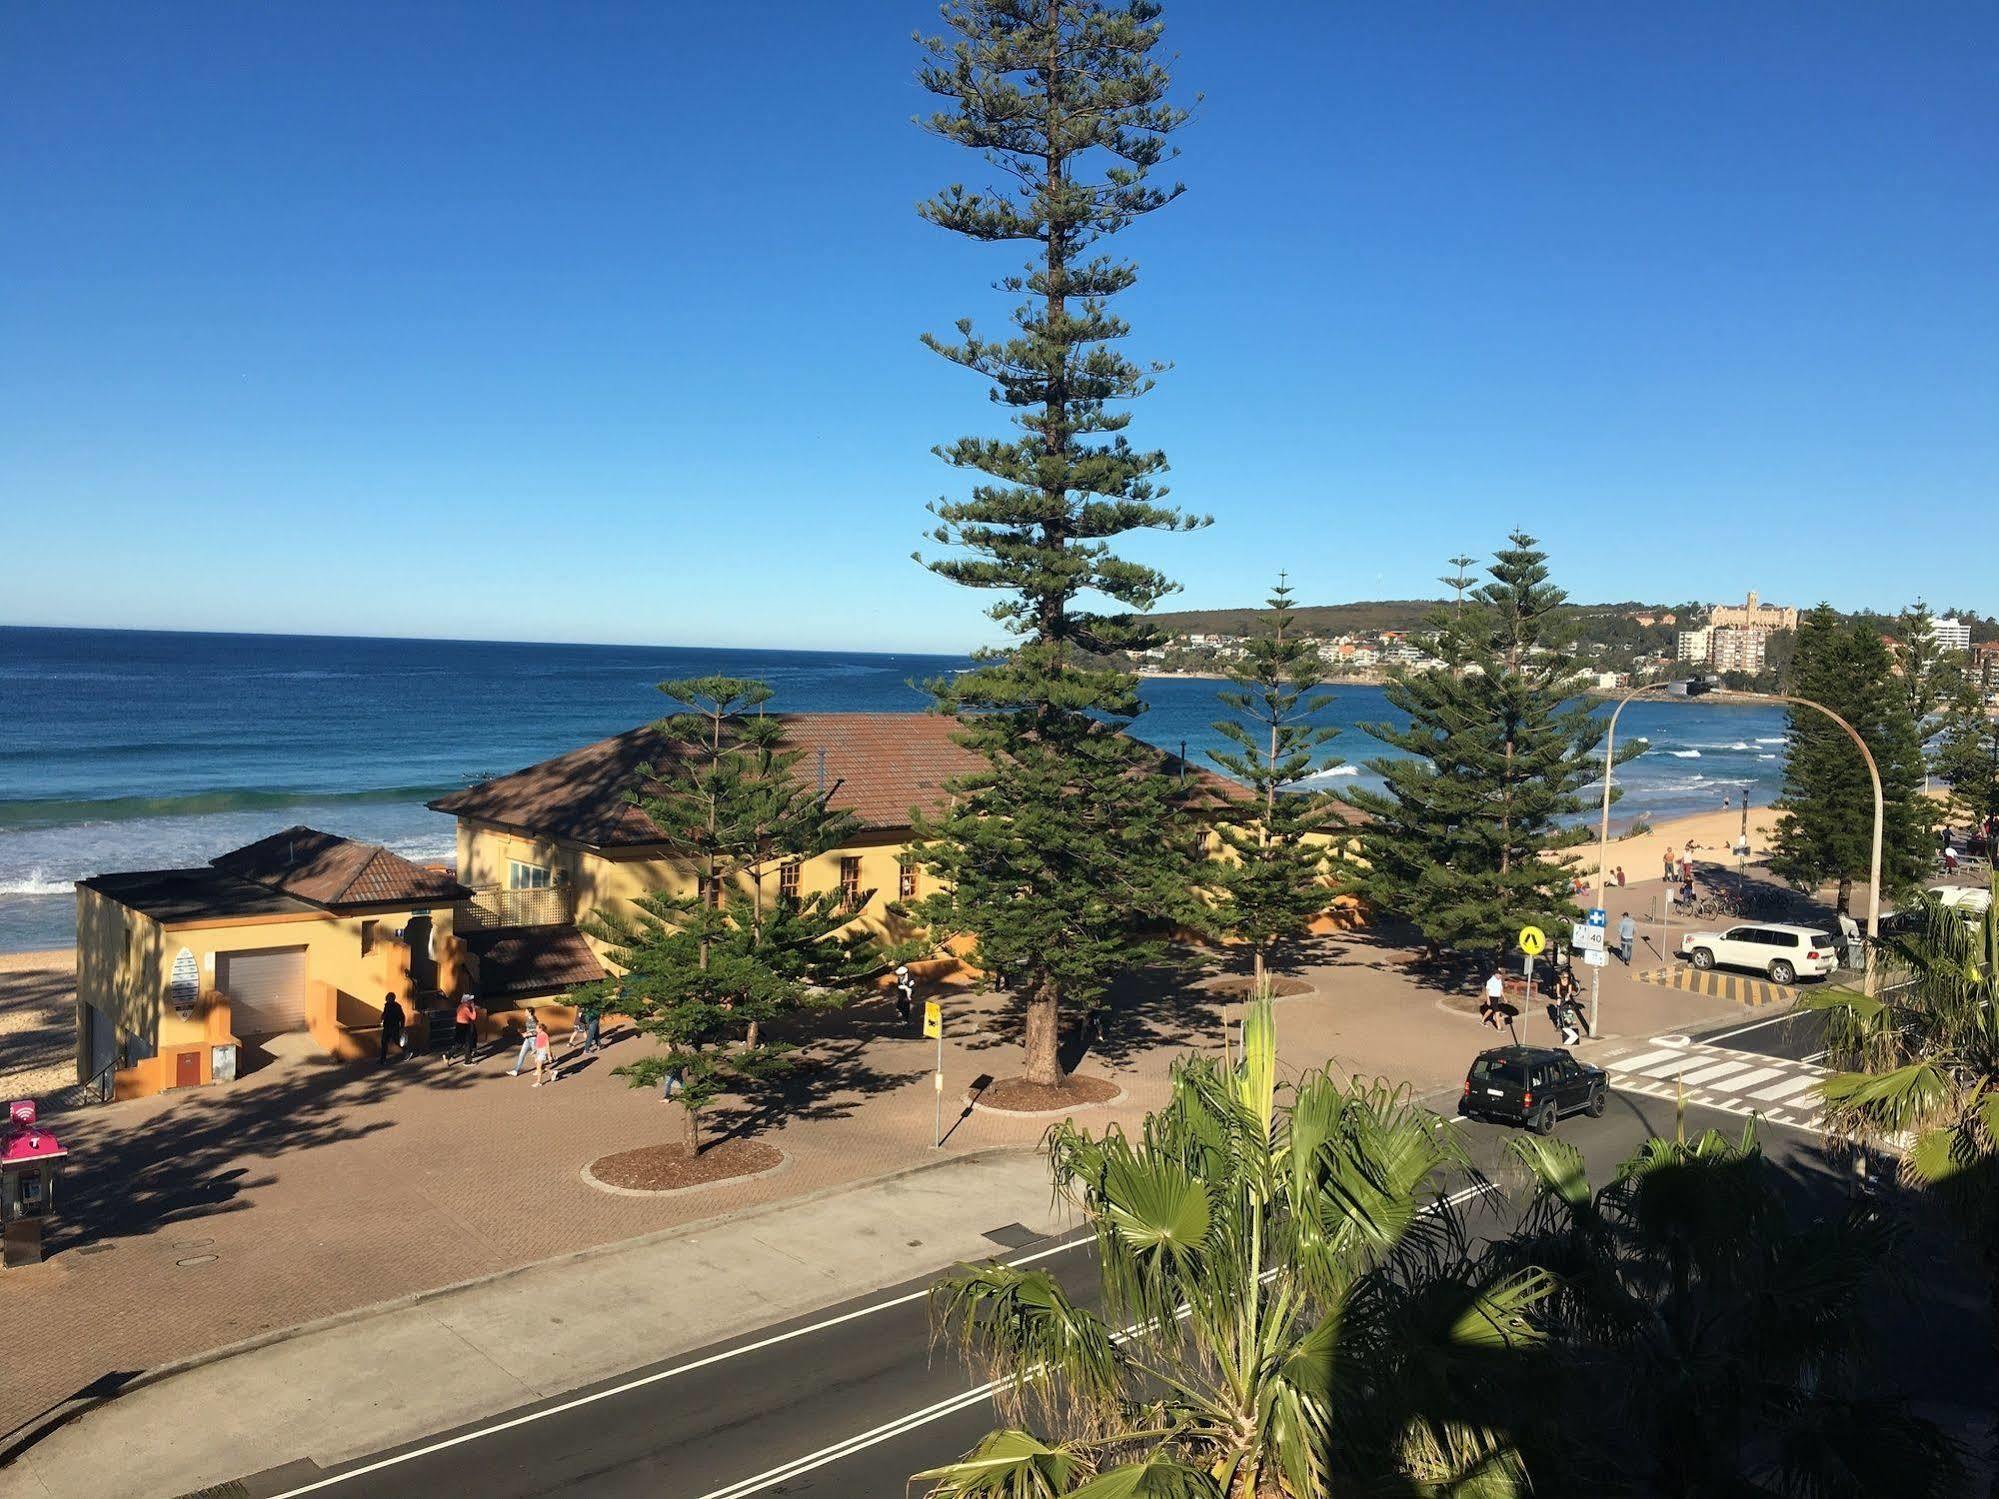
[933, 1020]
[1533, 940]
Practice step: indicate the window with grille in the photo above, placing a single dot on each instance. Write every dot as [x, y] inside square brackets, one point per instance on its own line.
[850, 882]
[905, 885]
[787, 880]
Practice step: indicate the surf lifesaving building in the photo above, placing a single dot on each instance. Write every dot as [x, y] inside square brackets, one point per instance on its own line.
[306, 931]
[177, 969]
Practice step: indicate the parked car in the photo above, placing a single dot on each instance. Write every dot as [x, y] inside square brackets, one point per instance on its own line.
[1785, 953]
[1969, 901]
[1532, 1085]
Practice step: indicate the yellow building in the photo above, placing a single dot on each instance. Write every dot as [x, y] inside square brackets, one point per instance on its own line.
[306, 931]
[300, 931]
[548, 845]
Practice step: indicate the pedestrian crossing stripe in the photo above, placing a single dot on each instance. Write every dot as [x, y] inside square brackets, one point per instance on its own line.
[1738, 988]
[1719, 1078]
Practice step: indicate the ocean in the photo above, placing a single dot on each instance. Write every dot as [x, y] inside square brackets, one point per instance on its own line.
[141, 750]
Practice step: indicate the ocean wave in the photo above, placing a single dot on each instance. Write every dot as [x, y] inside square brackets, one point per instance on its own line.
[61, 813]
[1780, 739]
[1684, 754]
[1769, 757]
[1329, 774]
[36, 883]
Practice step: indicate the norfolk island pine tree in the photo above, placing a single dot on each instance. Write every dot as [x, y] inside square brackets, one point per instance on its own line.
[1055, 858]
[1826, 812]
[703, 974]
[1272, 883]
[1466, 839]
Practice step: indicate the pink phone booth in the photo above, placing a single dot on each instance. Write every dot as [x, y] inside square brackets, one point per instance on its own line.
[30, 1160]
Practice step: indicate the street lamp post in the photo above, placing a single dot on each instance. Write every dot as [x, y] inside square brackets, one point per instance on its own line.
[1874, 858]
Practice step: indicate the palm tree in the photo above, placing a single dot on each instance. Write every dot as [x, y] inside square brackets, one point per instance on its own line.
[1920, 1066]
[1286, 1310]
[1708, 1344]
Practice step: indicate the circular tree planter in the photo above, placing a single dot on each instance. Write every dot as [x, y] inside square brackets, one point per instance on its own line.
[667, 1170]
[1024, 1100]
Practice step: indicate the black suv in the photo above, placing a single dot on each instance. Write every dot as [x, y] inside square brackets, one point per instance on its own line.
[1532, 1085]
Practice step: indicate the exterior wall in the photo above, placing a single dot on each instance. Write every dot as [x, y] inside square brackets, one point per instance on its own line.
[124, 959]
[598, 879]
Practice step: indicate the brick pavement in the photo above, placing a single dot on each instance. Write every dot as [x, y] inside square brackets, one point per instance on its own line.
[310, 1188]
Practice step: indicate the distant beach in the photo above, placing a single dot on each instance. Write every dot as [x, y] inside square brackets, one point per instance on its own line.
[135, 750]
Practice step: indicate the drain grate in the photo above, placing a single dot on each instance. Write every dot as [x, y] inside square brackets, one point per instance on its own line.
[1014, 1235]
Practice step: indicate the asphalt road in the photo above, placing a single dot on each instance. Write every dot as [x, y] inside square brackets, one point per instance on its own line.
[851, 1400]
[1797, 1034]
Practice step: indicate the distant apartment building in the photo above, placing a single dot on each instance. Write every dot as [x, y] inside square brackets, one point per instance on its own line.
[1693, 644]
[1732, 649]
[1985, 665]
[1647, 619]
[1951, 634]
[1753, 614]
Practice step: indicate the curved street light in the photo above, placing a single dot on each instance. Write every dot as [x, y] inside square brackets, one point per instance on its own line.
[1874, 859]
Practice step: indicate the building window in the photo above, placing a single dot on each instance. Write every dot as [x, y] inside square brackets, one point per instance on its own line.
[367, 937]
[528, 876]
[850, 882]
[905, 883]
[787, 881]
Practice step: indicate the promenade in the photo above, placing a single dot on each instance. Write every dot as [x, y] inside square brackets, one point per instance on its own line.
[309, 1189]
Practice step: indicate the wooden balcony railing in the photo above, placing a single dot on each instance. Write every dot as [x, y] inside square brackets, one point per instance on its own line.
[493, 907]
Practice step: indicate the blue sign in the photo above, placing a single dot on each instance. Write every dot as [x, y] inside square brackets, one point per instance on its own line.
[1596, 916]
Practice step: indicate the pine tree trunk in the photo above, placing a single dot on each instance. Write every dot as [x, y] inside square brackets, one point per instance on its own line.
[690, 1130]
[1258, 974]
[1044, 1037]
[1844, 904]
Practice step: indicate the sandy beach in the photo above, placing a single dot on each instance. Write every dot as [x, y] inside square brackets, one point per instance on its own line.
[1711, 834]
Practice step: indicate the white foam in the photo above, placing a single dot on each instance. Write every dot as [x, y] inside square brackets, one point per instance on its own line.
[1766, 757]
[36, 883]
[1684, 754]
[1782, 739]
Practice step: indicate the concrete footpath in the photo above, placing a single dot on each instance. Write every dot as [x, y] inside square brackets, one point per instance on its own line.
[354, 1384]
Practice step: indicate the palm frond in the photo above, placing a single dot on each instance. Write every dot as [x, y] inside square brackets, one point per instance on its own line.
[1007, 1464]
[1157, 1477]
[1040, 1348]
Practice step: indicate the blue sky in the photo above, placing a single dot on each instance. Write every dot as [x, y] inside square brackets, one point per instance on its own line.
[599, 322]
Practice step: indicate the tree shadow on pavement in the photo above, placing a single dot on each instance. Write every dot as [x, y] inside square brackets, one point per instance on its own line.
[844, 1057]
[137, 1167]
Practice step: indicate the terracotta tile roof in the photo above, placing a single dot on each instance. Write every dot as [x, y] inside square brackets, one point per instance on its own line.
[879, 765]
[329, 870]
[521, 962]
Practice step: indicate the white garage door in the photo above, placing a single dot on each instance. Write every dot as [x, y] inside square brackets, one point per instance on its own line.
[266, 989]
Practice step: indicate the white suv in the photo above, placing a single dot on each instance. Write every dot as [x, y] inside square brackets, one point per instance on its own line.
[1785, 953]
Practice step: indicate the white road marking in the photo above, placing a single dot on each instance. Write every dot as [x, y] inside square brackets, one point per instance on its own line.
[646, 1379]
[1643, 1059]
[1785, 1089]
[1748, 1079]
[1707, 1076]
[1755, 1026]
[910, 1422]
[1685, 1062]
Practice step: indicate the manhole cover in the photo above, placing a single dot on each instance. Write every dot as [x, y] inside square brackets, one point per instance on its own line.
[198, 1259]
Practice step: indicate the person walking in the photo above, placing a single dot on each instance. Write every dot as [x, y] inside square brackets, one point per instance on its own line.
[905, 992]
[1627, 937]
[392, 1027]
[1492, 1008]
[1669, 867]
[537, 1037]
[465, 1027]
[528, 1029]
[583, 1034]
